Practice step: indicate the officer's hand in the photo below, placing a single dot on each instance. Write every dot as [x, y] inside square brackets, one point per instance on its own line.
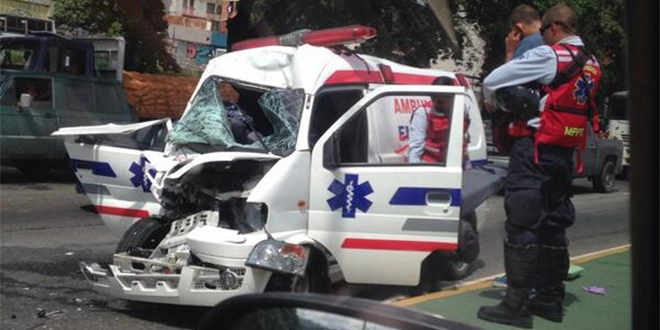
[511, 42]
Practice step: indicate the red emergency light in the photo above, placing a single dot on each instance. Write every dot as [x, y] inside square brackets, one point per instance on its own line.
[326, 37]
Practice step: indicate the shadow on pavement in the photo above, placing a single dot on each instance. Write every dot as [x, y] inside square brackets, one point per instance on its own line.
[170, 315]
[12, 175]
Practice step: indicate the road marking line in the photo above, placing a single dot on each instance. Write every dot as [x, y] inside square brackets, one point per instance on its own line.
[486, 282]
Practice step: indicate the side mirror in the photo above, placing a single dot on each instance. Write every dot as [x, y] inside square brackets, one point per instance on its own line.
[331, 153]
[284, 311]
[25, 101]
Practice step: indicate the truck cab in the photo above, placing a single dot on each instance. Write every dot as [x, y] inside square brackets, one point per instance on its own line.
[323, 192]
[47, 82]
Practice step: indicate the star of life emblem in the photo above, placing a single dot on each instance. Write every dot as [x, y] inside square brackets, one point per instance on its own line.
[583, 87]
[139, 178]
[350, 196]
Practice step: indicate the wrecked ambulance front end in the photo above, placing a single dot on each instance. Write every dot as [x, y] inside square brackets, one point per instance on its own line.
[212, 187]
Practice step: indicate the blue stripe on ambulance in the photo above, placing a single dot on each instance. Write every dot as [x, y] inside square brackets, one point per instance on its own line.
[417, 196]
[479, 162]
[98, 168]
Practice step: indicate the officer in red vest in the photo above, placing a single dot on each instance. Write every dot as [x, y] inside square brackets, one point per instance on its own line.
[429, 128]
[537, 188]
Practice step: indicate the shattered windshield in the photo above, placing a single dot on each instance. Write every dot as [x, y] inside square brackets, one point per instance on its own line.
[224, 119]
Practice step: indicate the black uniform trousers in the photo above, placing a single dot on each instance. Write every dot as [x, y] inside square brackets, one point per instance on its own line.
[537, 195]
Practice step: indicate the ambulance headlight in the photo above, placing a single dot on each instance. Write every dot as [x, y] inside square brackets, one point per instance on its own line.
[279, 257]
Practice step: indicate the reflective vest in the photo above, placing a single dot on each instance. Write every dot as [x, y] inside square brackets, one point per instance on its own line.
[564, 117]
[570, 100]
[437, 134]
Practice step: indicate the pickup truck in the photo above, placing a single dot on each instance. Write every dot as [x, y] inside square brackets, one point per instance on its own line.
[602, 159]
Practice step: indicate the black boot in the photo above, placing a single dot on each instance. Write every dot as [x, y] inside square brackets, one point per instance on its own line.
[548, 302]
[519, 263]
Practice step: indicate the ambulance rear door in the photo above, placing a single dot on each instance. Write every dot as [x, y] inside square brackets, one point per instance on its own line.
[379, 215]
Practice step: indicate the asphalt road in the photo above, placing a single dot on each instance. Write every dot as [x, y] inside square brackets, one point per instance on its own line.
[46, 228]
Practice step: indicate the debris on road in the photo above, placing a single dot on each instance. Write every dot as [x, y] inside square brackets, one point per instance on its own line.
[595, 290]
[41, 313]
[574, 271]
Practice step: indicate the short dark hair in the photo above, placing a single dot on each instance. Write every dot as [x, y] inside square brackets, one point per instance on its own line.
[524, 13]
[563, 14]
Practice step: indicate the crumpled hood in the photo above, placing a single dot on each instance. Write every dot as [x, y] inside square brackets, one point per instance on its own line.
[218, 157]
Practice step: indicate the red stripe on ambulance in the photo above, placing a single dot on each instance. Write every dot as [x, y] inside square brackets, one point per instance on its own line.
[381, 244]
[375, 76]
[135, 213]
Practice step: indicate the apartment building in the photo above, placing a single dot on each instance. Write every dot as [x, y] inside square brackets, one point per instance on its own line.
[198, 30]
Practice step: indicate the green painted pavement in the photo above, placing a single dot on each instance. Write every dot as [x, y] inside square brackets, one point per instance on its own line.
[583, 310]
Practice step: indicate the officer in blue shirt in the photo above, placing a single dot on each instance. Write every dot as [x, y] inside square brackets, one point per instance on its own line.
[537, 193]
[525, 23]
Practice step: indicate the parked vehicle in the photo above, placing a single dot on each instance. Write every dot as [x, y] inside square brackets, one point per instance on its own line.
[322, 193]
[602, 161]
[617, 123]
[48, 82]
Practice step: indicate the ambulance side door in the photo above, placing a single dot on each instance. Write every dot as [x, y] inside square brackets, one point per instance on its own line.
[380, 217]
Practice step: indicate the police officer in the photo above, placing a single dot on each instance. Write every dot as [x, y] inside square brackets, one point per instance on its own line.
[537, 197]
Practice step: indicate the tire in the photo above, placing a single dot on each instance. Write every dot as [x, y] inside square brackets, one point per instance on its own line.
[144, 235]
[625, 173]
[468, 238]
[459, 264]
[457, 269]
[605, 181]
[315, 280]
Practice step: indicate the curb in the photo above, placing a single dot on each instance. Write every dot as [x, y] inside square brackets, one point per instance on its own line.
[486, 282]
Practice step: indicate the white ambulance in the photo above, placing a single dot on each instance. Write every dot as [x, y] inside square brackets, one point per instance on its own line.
[324, 193]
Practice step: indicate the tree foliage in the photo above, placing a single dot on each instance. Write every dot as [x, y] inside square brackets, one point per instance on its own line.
[407, 31]
[600, 24]
[139, 22]
[92, 15]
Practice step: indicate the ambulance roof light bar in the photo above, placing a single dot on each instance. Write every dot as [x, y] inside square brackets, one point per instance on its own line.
[327, 37]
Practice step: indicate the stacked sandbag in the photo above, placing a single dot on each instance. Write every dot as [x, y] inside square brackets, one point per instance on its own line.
[156, 96]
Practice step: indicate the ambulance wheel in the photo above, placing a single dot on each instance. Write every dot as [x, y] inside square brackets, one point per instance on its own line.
[315, 280]
[604, 183]
[142, 237]
[457, 269]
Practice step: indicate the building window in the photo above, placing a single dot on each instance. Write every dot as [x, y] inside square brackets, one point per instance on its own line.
[210, 8]
[189, 5]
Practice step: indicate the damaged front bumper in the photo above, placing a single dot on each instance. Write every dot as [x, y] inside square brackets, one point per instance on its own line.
[194, 285]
